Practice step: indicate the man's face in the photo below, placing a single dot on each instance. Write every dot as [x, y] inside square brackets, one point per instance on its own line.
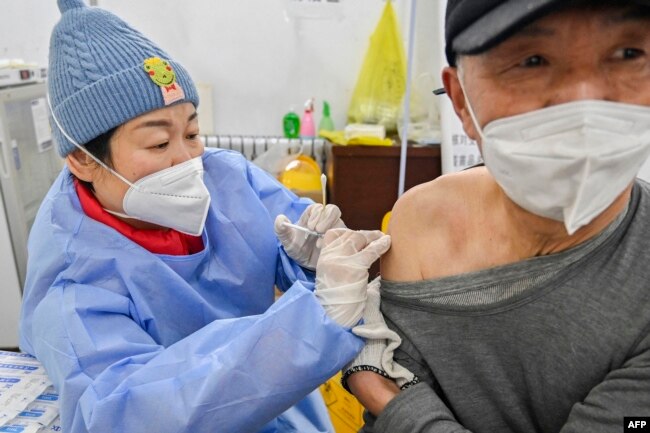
[576, 54]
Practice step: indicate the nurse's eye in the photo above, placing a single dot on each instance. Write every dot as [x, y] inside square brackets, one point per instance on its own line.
[629, 53]
[160, 146]
[533, 62]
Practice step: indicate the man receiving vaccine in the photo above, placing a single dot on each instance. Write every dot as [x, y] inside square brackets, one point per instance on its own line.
[521, 288]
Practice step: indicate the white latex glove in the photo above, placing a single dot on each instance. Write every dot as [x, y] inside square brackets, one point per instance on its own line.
[300, 246]
[342, 272]
[381, 342]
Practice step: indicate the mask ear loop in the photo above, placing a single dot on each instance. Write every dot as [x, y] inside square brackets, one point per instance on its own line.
[84, 150]
[469, 106]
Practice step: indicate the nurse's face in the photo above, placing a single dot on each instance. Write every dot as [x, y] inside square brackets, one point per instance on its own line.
[144, 145]
[576, 54]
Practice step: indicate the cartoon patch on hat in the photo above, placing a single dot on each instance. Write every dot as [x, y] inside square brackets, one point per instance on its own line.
[162, 74]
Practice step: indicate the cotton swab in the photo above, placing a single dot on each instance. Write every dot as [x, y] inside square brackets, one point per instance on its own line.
[303, 229]
[323, 185]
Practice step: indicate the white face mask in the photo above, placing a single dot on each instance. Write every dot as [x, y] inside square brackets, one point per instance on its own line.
[175, 197]
[568, 162]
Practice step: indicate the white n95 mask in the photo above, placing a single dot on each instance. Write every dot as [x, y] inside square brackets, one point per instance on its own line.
[175, 197]
[567, 162]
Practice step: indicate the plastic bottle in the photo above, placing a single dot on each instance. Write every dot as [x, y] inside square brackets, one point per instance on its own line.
[326, 122]
[307, 127]
[291, 124]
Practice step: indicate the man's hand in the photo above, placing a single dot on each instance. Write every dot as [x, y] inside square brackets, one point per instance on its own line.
[372, 390]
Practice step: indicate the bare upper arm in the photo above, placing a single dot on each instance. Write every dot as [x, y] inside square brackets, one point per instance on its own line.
[436, 228]
[415, 227]
[400, 262]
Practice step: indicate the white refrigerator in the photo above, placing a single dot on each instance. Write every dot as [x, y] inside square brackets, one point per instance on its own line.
[28, 166]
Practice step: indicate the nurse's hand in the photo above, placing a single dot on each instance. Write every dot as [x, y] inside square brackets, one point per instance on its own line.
[305, 249]
[342, 272]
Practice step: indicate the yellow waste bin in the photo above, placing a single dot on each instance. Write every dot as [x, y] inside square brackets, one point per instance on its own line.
[302, 176]
[345, 411]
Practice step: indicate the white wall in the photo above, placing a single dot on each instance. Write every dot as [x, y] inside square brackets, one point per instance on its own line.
[25, 28]
[644, 173]
[259, 58]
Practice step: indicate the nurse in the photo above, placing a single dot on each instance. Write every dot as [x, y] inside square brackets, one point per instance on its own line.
[152, 261]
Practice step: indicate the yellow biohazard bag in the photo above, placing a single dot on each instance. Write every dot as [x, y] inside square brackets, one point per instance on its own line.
[382, 81]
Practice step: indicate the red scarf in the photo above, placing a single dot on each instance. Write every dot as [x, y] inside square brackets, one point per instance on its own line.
[157, 241]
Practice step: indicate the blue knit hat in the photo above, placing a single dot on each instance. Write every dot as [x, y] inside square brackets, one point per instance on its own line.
[103, 73]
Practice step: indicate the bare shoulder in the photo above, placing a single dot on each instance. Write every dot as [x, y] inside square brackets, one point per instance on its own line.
[430, 222]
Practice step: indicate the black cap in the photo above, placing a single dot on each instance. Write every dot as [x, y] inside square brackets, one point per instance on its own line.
[475, 26]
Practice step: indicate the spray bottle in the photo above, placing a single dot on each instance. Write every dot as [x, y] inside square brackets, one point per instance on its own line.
[307, 127]
[326, 122]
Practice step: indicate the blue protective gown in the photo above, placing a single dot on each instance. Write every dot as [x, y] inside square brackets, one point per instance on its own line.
[139, 342]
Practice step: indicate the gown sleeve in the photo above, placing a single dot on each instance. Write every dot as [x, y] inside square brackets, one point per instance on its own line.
[233, 375]
[279, 200]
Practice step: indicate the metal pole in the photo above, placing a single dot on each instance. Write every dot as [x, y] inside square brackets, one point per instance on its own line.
[407, 101]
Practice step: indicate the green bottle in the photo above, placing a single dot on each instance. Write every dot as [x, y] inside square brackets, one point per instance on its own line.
[291, 125]
[326, 122]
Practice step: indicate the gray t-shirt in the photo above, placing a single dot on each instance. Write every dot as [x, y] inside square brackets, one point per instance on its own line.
[558, 343]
